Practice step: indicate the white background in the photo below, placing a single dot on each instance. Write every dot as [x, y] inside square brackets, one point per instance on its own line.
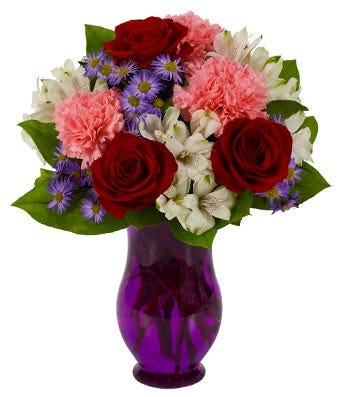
[279, 275]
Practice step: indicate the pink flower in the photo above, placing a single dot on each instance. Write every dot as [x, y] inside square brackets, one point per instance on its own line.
[224, 87]
[86, 121]
[201, 35]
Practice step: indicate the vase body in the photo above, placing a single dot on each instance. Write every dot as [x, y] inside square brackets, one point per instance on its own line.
[169, 307]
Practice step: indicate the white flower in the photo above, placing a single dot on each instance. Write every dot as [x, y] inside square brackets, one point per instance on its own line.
[171, 201]
[271, 68]
[207, 203]
[240, 49]
[236, 47]
[67, 80]
[160, 130]
[205, 122]
[302, 147]
[192, 155]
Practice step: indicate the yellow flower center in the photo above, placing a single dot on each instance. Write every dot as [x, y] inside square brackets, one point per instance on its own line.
[94, 62]
[95, 208]
[106, 69]
[123, 71]
[144, 86]
[291, 173]
[76, 174]
[58, 197]
[62, 157]
[170, 67]
[272, 193]
[134, 101]
[158, 103]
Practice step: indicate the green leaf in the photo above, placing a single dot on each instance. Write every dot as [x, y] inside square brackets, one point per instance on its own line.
[146, 217]
[44, 175]
[35, 203]
[290, 69]
[242, 208]
[44, 136]
[204, 240]
[311, 183]
[312, 124]
[285, 107]
[96, 36]
[260, 203]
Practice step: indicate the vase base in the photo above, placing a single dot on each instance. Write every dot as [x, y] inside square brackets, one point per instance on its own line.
[168, 381]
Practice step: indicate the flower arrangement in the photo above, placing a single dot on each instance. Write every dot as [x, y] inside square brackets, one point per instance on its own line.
[169, 119]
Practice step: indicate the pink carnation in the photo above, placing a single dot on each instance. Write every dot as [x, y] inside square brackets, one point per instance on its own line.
[201, 35]
[86, 121]
[224, 87]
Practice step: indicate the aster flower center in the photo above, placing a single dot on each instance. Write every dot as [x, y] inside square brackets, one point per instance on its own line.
[144, 86]
[88, 172]
[291, 173]
[158, 103]
[134, 101]
[58, 197]
[170, 67]
[106, 69]
[123, 71]
[95, 208]
[94, 62]
[62, 157]
[76, 174]
[272, 193]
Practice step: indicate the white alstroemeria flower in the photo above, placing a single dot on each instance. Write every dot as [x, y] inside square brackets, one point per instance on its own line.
[236, 47]
[302, 147]
[207, 204]
[160, 130]
[271, 68]
[239, 48]
[68, 80]
[205, 122]
[192, 155]
[171, 201]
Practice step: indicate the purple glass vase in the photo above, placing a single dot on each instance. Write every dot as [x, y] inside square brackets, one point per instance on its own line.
[169, 307]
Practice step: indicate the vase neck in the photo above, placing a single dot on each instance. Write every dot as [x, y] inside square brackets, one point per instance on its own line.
[157, 243]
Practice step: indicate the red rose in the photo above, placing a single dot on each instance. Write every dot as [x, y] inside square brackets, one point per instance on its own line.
[144, 39]
[252, 154]
[132, 173]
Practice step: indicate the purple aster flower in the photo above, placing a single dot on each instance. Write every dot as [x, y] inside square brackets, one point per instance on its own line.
[122, 72]
[61, 159]
[145, 84]
[167, 69]
[131, 102]
[73, 170]
[277, 118]
[91, 209]
[287, 204]
[276, 193]
[133, 119]
[294, 172]
[157, 104]
[105, 70]
[61, 191]
[86, 178]
[93, 63]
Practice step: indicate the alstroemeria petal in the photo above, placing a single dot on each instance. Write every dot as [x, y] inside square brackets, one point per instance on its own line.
[199, 222]
[302, 148]
[204, 184]
[293, 123]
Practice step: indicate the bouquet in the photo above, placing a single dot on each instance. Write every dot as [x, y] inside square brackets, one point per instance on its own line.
[171, 120]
